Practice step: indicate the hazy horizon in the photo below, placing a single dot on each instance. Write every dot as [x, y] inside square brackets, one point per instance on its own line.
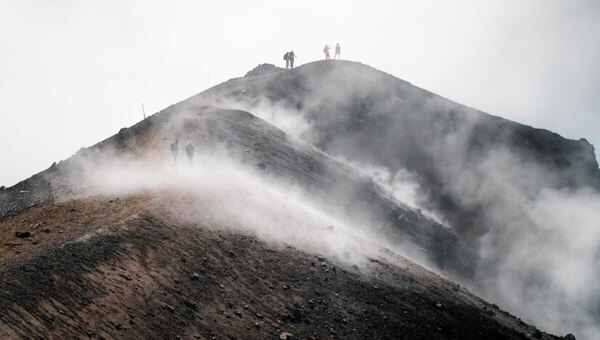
[75, 72]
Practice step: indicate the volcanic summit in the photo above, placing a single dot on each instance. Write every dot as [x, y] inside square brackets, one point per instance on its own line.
[294, 220]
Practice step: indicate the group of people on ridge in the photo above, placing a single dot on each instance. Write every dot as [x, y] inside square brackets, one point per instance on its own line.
[289, 59]
[338, 51]
[190, 150]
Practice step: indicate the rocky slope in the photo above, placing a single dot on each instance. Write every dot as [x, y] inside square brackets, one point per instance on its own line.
[346, 192]
[80, 258]
[372, 118]
[105, 267]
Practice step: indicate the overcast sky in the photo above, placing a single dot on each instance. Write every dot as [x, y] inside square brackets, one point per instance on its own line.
[74, 72]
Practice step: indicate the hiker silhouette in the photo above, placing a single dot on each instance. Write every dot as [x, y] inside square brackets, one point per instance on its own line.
[286, 57]
[175, 150]
[291, 57]
[326, 51]
[338, 51]
[190, 149]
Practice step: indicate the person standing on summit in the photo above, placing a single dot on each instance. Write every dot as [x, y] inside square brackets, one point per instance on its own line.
[338, 51]
[286, 57]
[291, 57]
[326, 51]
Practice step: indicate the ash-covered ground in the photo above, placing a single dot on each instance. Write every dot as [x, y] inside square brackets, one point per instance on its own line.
[293, 225]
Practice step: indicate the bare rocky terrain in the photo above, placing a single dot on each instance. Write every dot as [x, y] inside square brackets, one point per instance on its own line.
[81, 261]
[120, 267]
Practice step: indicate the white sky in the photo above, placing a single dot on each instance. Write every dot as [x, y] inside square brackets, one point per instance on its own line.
[74, 72]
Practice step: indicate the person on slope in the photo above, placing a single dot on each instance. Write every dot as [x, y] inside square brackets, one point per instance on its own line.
[338, 51]
[286, 57]
[190, 149]
[326, 51]
[291, 57]
[174, 150]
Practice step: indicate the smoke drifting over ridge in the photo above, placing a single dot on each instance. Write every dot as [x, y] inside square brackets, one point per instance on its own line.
[222, 193]
[234, 184]
[526, 198]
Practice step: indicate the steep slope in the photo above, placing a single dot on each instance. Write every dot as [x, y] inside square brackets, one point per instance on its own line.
[345, 192]
[253, 189]
[127, 267]
[367, 116]
[525, 198]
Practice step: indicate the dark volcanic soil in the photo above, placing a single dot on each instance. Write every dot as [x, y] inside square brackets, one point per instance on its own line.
[109, 267]
[81, 266]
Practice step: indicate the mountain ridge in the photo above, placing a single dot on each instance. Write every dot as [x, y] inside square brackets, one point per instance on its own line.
[325, 99]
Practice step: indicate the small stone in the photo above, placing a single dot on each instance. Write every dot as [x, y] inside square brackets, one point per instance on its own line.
[286, 336]
[195, 277]
[125, 276]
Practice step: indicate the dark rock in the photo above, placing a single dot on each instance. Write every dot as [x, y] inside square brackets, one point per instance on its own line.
[190, 304]
[23, 234]
[569, 337]
[195, 277]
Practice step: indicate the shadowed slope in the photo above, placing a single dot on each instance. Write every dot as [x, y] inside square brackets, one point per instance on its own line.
[372, 118]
